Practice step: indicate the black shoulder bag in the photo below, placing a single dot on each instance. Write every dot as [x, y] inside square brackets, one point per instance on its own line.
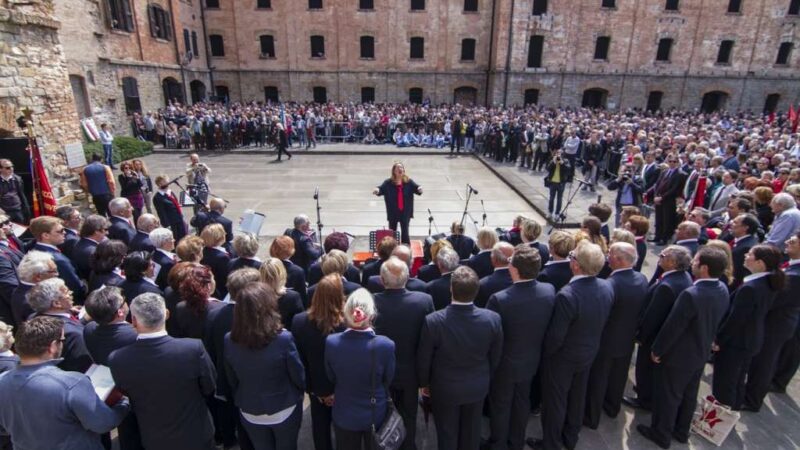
[392, 432]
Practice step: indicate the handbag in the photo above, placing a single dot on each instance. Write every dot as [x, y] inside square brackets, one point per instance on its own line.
[392, 432]
[713, 420]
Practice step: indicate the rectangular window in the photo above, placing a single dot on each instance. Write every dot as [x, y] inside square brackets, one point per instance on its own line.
[366, 5]
[794, 8]
[470, 5]
[672, 5]
[317, 47]
[367, 95]
[217, 45]
[784, 51]
[415, 95]
[271, 94]
[187, 43]
[417, 48]
[194, 43]
[608, 4]
[264, 4]
[654, 100]
[535, 48]
[724, 54]
[314, 4]
[601, 47]
[468, 49]
[320, 94]
[130, 90]
[539, 7]
[735, 6]
[212, 4]
[664, 49]
[531, 97]
[418, 5]
[267, 46]
[367, 46]
[120, 15]
[160, 23]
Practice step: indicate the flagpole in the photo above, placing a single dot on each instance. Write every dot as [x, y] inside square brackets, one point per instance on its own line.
[36, 206]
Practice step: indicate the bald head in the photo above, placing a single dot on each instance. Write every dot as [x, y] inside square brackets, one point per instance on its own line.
[394, 273]
[216, 204]
[501, 254]
[622, 255]
[147, 223]
[403, 253]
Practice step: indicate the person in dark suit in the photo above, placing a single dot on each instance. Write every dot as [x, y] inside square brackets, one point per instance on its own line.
[481, 263]
[167, 379]
[459, 349]
[49, 234]
[141, 241]
[71, 219]
[681, 348]
[639, 226]
[462, 244]
[398, 195]
[283, 248]
[108, 332]
[8, 360]
[401, 314]
[664, 194]
[609, 371]
[121, 216]
[34, 267]
[93, 231]
[500, 278]
[384, 249]
[106, 264]
[402, 252]
[339, 241]
[258, 349]
[439, 289]
[741, 335]
[361, 365]
[12, 194]
[525, 309]
[557, 271]
[216, 257]
[779, 327]
[674, 262]
[651, 170]
[138, 268]
[530, 232]
[197, 303]
[273, 273]
[168, 208]
[570, 346]
[430, 272]
[310, 330]
[306, 250]
[8, 282]
[744, 228]
[686, 236]
[214, 214]
[52, 298]
[245, 246]
[163, 255]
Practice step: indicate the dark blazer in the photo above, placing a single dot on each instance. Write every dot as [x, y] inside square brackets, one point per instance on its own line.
[525, 309]
[168, 214]
[239, 263]
[8, 363]
[99, 279]
[121, 230]
[544, 252]
[389, 192]
[641, 252]
[218, 323]
[668, 187]
[743, 328]
[739, 250]
[375, 284]
[76, 356]
[692, 246]
[296, 279]
[315, 273]
[463, 245]
[651, 175]
[168, 381]
[580, 313]
[71, 238]
[512, 236]
[190, 325]
[481, 263]
[439, 290]
[783, 316]
[630, 292]
[499, 279]
[401, 314]
[429, 272]
[311, 345]
[305, 252]
[20, 309]
[219, 262]
[8, 282]
[102, 340]
[370, 269]
[81, 254]
[289, 305]
[459, 349]
[266, 380]
[348, 363]
[141, 243]
[166, 264]
[131, 289]
[556, 273]
[685, 338]
[659, 303]
[66, 271]
[215, 217]
[348, 287]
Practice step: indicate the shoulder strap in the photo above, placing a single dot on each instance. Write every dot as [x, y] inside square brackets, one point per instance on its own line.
[372, 399]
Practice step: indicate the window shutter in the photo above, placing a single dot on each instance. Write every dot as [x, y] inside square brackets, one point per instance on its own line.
[151, 15]
[127, 16]
[168, 25]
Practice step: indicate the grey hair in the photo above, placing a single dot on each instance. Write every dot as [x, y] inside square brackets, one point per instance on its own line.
[620, 235]
[403, 253]
[786, 201]
[160, 236]
[116, 205]
[394, 273]
[245, 245]
[447, 259]
[42, 296]
[33, 263]
[360, 299]
[681, 255]
[149, 309]
[6, 336]
[147, 223]
[501, 253]
[300, 220]
[626, 251]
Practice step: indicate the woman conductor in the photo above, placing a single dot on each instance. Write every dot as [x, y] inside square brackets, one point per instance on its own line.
[397, 194]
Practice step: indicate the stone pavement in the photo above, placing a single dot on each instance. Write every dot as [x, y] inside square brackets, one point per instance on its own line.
[346, 174]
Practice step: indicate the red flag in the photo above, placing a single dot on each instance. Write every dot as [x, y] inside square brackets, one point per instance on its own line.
[794, 117]
[44, 202]
[771, 118]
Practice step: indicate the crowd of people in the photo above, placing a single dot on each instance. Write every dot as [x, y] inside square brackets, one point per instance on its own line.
[210, 345]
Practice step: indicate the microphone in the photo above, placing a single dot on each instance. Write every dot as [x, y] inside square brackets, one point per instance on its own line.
[176, 179]
[316, 193]
[584, 183]
[429, 212]
[474, 191]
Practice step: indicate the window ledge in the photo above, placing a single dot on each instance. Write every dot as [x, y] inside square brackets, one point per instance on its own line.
[365, 10]
[467, 61]
[121, 32]
[317, 58]
[781, 66]
[722, 64]
[416, 10]
[363, 58]
[265, 57]
[597, 60]
[738, 13]
[661, 63]
[416, 60]
[608, 8]
[162, 40]
[263, 9]
[475, 13]
[315, 9]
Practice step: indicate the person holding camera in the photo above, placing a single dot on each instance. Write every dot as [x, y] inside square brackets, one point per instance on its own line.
[559, 173]
[629, 186]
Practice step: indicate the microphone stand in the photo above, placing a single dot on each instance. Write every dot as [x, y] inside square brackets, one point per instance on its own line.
[466, 207]
[484, 214]
[562, 217]
[319, 219]
[198, 203]
[431, 222]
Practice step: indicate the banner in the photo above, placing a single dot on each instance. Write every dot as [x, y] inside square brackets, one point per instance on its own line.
[44, 202]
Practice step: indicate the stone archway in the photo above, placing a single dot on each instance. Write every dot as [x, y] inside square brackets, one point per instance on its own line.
[173, 90]
[465, 95]
[595, 98]
[198, 90]
[714, 101]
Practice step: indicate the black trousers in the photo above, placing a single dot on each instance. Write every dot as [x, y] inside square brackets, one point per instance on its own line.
[455, 143]
[353, 440]
[788, 361]
[536, 389]
[644, 375]
[404, 224]
[556, 196]
[666, 219]
[606, 387]
[226, 417]
[101, 203]
[510, 405]
[563, 402]
[674, 400]
[762, 369]
[178, 230]
[458, 427]
[405, 400]
[321, 419]
[282, 436]
[540, 160]
[730, 373]
[283, 150]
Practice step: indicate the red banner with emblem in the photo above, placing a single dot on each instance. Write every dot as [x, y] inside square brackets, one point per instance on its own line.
[44, 202]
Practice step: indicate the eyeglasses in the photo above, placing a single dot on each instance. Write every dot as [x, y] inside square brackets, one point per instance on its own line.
[61, 231]
[5, 223]
[571, 255]
[8, 167]
[61, 340]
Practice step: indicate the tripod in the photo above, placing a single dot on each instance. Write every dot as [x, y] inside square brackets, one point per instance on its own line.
[466, 213]
[562, 216]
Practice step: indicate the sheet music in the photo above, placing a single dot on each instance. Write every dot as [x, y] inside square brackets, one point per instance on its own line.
[101, 379]
[251, 222]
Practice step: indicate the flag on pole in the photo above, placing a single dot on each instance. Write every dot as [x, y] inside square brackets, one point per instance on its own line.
[44, 202]
[793, 118]
[771, 118]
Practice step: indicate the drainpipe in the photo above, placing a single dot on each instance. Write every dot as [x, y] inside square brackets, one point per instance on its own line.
[205, 45]
[508, 55]
[491, 47]
[177, 49]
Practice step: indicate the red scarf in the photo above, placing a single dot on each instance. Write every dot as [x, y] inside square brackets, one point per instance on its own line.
[400, 197]
[174, 201]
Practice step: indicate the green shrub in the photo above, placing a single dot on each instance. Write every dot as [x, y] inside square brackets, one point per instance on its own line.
[125, 148]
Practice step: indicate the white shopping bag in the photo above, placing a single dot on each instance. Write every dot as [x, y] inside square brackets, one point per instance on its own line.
[713, 420]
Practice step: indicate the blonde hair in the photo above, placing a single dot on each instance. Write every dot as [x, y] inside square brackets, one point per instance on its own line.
[621, 235]
[6, 336]
[438, 245]
[405, 175]
[213, 235]
[190, 249]
[561, 243]
[590, 258]
[335, 261]
[531, 230]
[486, 238]
[725, 247]
[274, 274]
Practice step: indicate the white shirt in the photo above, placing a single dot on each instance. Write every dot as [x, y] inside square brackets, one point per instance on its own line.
[754, 276]
[792, 262]
[713, 280]
[736, 240]
[269, 419]
[620, 270]
[453, 302]
[577, 277]
[685, 241]
[156, 334]
[551, 262]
